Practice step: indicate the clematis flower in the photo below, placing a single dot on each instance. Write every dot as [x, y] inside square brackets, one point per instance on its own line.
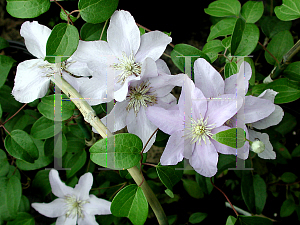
[33, 76]
[268, 153]
[191, 133]
[143, 94]
[260, 110]
[73, 205]
[124, 58]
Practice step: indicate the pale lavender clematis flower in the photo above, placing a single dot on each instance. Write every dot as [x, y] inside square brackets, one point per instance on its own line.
[120, 60]
[268, 153]
[191, 134]
[33, 76]
[73, 205]
[145, 93]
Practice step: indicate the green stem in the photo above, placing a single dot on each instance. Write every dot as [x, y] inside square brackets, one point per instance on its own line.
[90, 116]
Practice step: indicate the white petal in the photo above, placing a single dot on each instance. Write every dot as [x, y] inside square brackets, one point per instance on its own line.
[36, 36]
[120, 94]
[59, 188]
[268, 153]
[268, 94]
[162, 67]
[97, 206]
[78, 68]
[273, 119]
[54, 209]
[63, 220]
[149, 69]
[71, 80]
[82, 189]
[153, 45]
[123, 35]
[30, 82]
[87, 220]
[208, 79]
[164, 84]
[167, 101]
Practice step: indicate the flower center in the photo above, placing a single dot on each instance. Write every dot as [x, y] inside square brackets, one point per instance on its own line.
[199, 130]
[140, 95]
[51, 68]
[128, 67]
[75, 206]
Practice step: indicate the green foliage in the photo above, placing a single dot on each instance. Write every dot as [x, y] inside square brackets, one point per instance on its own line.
[170, 175]
[252, 11]
[234, 137]
[22, 218]
[3, 43]
[192, 188]
[271, 25]
[4, 165]
[5, 65]
[28, 8]
[92, 32]
[293, 71]
[289, 10]
[63, 16]
[287, 208]
[222, 28]
[223, 8]
[197, 217]
[230, 69]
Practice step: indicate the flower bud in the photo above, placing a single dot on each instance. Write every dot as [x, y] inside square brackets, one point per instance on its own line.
[258, 146]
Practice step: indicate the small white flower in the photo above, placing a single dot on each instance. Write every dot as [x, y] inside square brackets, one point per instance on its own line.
[258, 146]
[73, 205]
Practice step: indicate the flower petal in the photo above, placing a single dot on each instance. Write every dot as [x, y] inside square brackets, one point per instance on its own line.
[256, 109]
[82, 189]
[36, 36]
[268, 153]
[162, 67]
[153, 45]
[273, 119]
[239, 80]
[174, 149]
[268, 94]
[166, 102]
[121, 94]
[207, 79]
[78, 68]
[63, 220]
[205, 159]
[97, 206]
[149, 69]
[164, 84]
[87, 220]
[123, 35]
[59, 188]
[30, 82]
[71, 80]
[54, 209]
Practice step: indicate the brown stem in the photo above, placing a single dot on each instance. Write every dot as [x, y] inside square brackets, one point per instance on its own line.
[69, 19]
[269, 53]
[15, 113]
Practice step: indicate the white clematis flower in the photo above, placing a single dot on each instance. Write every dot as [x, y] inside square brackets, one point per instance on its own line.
[73, 205]
[119, 61]
[33, 76]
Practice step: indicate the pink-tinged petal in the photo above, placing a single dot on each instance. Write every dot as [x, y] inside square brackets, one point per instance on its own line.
[256, 109]
[174, 149]
[97, 206]
[116, 119]
[166, 102]
[30, 82]
[239, 80]
[268, 94]
[221, 109]
[268, 153]
[169, 121]
[143, 128]
[164, 84]
[63, 220]
[95, 90]
[78, 68]
[87, 220]
[54, 209]
[153, 45]
[273, 119]
[162, 67]
[36, 36]
[208, 79]
[59, 188]
[149, 69]
[123, 35]
[82, 189]
[205, 159]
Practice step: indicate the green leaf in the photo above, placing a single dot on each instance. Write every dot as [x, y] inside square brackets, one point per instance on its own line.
[44, 128]
[280, 44]
[21, 146]
[1, 111]
[92, 32]
[289, 10]
[4, 165]
[97, 11]
[204, 183]
[119, 151]
[18, 122]
[225, 162]
[13, 194]
[131, 202]
[64, 16]
[7, 101]
[27, 8]
[24, 204]
[247, 190]
[230, 220]
[252, 220]
[5, 65]
[287, 208]
[282, 150]
[212, 48]
[63, 41]
[260, 193]
[252, 11]
[244, 38]
[169, 193]
[169, 175]
[226, 42]
[222, 28]
[46, 107]
[293, 71]
[230, 69]
[288, 90]
[223, 8]
[3, 43]
[234, 137]
[271, 25]
[288, 177]
[192, 188]
[296, 152]
[250, 61]
[181, 50]
[59, 148]
[42, 161]
[287, 124]
[197, 217]
[23, 218]
[41, 182]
